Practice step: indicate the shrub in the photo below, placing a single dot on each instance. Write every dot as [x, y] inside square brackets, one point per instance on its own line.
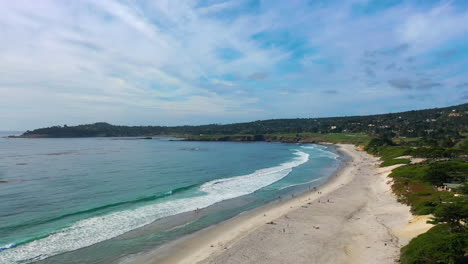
[437, 245]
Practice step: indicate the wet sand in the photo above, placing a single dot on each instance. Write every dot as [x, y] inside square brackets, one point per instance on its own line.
[353, 218]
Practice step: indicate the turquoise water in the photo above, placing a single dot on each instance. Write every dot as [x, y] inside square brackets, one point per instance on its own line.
[96, 200]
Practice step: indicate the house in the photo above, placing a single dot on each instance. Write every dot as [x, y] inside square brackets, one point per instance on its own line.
[448, 187]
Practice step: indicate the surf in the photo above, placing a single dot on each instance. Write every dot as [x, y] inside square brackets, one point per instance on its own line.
[96, 229]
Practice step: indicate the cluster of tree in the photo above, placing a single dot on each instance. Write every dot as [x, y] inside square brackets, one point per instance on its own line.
[436, 152]
[447, 171]
[424, 147]
[438, 123]
[454, 213]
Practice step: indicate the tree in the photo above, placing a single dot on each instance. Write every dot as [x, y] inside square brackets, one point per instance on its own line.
[378, 142]
[454, 213]
[436, 176]
[436, 246]
[463, 189]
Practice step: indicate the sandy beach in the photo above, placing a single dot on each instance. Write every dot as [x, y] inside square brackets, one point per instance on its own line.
[353, 218]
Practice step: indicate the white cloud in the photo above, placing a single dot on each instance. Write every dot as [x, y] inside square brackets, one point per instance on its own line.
[82, 59]
[424, 30]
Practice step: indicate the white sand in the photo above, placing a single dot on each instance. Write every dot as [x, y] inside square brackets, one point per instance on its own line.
[412, 159]
[355, 219]
[416, 226]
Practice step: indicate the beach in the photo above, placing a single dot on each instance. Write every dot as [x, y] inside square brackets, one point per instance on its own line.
[353, 218]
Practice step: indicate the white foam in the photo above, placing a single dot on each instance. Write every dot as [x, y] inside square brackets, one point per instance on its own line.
[297, 184]
[93, 230]
[322, 151]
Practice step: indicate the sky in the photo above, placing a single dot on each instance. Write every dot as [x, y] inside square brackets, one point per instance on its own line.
[175, 62]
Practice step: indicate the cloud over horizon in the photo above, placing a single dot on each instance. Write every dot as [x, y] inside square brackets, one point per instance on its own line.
[173, 62]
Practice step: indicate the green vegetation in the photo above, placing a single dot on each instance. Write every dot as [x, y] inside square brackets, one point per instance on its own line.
[455, 171]
[436, 152]
[351, 138]
[438, 245]
[438, 123]
[454, 212]
[463, 189]
[388, 152]
[411, 189]
[417, 186]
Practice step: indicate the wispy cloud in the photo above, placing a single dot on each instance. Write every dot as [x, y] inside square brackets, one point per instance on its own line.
[176, 61]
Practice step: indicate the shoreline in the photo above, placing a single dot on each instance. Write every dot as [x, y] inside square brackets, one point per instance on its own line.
[170, 252]
[338, 216]
[254, 200]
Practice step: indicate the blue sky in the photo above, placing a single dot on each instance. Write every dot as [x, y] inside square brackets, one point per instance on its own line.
[172, 62]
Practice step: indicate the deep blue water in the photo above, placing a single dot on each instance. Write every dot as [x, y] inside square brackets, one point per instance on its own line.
[95, 200]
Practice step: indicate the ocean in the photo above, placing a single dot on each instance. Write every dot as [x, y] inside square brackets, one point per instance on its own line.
[100, 200]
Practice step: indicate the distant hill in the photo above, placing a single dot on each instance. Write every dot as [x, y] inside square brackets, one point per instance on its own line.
[447, 121]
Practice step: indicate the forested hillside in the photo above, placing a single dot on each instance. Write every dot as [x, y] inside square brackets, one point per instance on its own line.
[437, 122]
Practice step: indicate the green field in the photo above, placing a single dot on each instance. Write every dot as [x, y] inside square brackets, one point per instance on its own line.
[350, 138]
